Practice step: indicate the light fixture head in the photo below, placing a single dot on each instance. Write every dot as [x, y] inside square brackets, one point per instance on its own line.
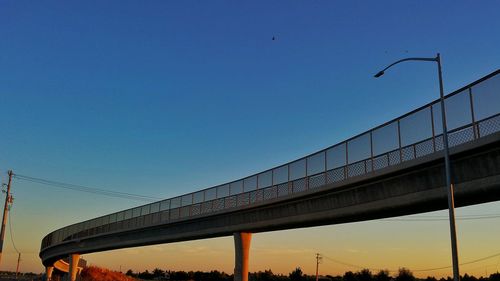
[380, 73]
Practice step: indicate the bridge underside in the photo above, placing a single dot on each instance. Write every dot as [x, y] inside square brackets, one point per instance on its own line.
[418, 187]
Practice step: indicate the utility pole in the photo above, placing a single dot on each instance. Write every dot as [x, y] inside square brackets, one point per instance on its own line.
[5, 213]
[319, 258]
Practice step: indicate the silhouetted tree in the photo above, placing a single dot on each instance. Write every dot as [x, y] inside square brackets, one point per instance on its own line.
[296, 275]
[405, 274]
[495, 277]
[130, 273]
[145, 275]
[200, 276]
[215, 275]
[431, 278]
[334, 278]
[349, 276]
[158, 272]
[383, 275]
[178, 276]
[468, 277]
[364, 275]
[266, 275]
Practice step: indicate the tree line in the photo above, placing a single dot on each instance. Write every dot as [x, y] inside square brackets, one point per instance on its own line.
[403, 274]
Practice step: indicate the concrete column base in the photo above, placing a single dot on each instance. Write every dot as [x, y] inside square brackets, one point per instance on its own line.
[241, 249]
[73, 266]
[48, 272]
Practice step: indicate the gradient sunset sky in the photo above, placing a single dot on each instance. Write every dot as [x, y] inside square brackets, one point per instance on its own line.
[164, 98]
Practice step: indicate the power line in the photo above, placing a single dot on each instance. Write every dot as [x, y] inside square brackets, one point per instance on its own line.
[349, 264]
[414, 270]
[481, 259]
[464, 218]
[82, 188]
[93, 191]
[14, 244]
[445, 216]
[145, 198]
[12, 236]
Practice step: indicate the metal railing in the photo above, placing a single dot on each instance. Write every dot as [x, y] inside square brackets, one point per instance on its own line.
[473, 112]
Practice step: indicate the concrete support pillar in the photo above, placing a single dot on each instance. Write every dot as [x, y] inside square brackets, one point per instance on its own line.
[241, 249]
[73, 266]
[48, 271]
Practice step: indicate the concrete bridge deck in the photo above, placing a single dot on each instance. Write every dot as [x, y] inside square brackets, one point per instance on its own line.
[417, 188]
[391, 170]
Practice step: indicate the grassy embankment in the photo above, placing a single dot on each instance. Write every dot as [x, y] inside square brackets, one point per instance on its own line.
[93, 273]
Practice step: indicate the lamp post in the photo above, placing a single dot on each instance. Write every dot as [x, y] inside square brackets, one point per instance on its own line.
[449, 185]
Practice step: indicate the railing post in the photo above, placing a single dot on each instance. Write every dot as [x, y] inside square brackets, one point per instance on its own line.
[326, 167]
[399, 141]
[191, 205]
[474, 125]
[371, 148]
[289, 184]
[433, 129]
[346, 167]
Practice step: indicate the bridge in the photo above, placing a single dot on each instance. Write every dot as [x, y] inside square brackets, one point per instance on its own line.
[394, 169]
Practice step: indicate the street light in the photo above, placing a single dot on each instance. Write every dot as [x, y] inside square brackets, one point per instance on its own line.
[449, 185]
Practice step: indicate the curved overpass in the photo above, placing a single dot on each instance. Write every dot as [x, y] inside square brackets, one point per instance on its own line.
[391, 170]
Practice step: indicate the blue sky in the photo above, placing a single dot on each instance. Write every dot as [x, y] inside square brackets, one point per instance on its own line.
[163, 98]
